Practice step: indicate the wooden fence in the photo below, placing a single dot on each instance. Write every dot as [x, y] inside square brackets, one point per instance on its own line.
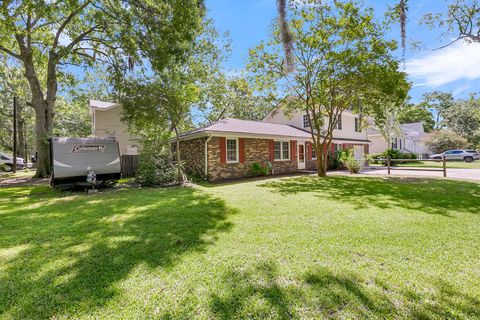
[129, 165]
[389, 162]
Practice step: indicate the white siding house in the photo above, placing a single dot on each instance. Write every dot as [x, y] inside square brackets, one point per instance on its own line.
[106, 123]
[349, 131]
[409, 139]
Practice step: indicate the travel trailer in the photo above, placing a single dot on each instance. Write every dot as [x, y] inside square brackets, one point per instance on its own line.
[73, 159]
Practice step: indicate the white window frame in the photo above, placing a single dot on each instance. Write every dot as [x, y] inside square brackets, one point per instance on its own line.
[306, 120]
[357, 126]
[339, 125]
[313, 150]
[281, 150]
[236, 153]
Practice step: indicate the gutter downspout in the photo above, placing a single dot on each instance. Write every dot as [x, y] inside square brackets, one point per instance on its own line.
[206, 155]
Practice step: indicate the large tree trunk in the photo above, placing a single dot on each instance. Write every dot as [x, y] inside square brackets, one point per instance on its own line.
[321, 167]
[322, 161]
[43, 111]
[42, 128]
[43, 148]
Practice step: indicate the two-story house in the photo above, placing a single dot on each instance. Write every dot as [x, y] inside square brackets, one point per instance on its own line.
[107, 123]
[348, 134]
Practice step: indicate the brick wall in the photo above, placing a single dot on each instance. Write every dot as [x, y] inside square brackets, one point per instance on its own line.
[310, 164]
[192, 153]
[256, 150]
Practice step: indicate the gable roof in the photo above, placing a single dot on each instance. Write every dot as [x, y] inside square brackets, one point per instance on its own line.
[249, 127]
[413, 129]
[102, 105]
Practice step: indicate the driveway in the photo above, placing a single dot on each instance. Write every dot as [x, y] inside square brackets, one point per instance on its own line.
[464, 174]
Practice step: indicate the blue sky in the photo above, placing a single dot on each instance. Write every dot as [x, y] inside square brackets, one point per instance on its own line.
[454, 69]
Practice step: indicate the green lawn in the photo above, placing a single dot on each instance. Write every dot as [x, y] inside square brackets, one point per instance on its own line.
[439, 164]
[340, 247]
[27, 173]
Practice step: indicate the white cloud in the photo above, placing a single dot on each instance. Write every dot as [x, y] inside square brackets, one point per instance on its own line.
[460, 61]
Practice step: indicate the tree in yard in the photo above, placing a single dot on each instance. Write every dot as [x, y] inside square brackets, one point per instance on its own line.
[233, 97]
[44, 36]
[417, 113]
[399, 12]
[462, 21]
[438, 103]
[464, 119]
[157, 107]
[73, 118]
[385, 100]
[13, 84]
[338, 51]
[439, 141]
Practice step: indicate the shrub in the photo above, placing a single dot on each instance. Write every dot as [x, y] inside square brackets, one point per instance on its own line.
[156, 168]
[442, 140]
[348, 160]
[375, 156]
[336, 163]
[411, 156]
[259, 170]
[392, 154]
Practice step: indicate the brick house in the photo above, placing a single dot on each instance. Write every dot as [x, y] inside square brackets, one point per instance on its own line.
[227, 149]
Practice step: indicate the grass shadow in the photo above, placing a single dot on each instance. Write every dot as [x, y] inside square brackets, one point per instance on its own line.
[432, 196]
[68, 252]
[261, 291]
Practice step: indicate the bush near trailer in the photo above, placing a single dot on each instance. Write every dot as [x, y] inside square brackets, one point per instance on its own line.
[156, 168]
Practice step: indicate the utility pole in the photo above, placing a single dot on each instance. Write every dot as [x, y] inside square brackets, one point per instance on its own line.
[25, 155]
[14, 167]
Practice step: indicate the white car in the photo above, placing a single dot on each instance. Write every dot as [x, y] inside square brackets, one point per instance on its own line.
[6, 163]
[459, 155]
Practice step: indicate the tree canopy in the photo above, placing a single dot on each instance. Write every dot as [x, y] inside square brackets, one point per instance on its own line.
[417, 113]
[45, 36]
[338, 51]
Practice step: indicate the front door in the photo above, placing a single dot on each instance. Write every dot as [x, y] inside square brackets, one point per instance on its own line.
[301, 155]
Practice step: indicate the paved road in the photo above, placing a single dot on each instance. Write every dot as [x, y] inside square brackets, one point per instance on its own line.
[468, 174]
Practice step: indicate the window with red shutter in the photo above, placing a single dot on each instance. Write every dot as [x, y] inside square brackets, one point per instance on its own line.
[293, 149]
[271, 149]
[241, 149]
[223, 149]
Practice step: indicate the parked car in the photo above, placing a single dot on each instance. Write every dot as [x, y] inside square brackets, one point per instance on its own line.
[6, 163]
[459, 155]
